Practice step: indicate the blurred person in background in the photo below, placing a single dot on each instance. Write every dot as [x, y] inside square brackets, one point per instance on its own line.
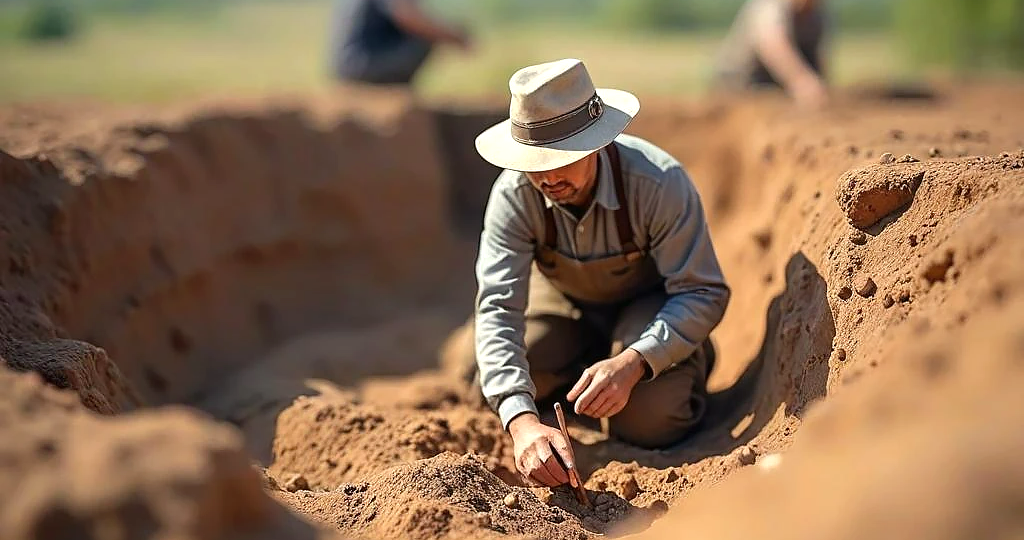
[386, 41]
[777, 43]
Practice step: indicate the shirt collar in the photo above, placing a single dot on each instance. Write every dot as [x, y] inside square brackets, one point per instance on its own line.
[604, 193]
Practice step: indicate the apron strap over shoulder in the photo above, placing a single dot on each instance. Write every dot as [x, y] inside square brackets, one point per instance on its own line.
[629, 247]
[550, 234]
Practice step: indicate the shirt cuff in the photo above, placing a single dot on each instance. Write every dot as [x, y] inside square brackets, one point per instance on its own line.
[654, 353]
[515, 405]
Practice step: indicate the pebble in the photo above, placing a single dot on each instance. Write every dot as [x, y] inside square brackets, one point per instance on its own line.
[866, 287]
[887, 158]
[841, 354]
[769, 461]
[296, 482]
[934, 152]
[844, 293]
[858, 238]
[511, 500]
[747, 455]
[482, 519]
[630, 489]
[887, 301]
[907, 158]
[671, 476]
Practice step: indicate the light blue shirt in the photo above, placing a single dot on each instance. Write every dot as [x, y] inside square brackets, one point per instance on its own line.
[668, 222]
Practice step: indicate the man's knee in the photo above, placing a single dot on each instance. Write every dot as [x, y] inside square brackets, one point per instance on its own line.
[663, 411]
[553, 345]
[655, 428]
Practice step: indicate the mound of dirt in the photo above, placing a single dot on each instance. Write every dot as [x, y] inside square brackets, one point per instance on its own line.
[926, 448]
[67, 473]
[331, 440]
[446, 496]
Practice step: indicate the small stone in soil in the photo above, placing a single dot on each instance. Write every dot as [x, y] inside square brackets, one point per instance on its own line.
[866, 287]
[887, 301]
[747, 455]
[511, 500]
[845, 293]
[907, 158]
[887, 158]
[296, 482]
[630, 489]
[840, 354]
[858, 238]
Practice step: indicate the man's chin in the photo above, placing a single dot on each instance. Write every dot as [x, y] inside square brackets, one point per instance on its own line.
[564, 199]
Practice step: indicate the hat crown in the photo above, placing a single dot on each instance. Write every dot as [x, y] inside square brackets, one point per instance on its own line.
[545, 91]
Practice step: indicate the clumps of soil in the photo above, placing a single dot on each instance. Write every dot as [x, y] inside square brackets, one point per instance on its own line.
[29, 343]
[444, 497]
[608, 513]
[869, 194]
[937, 267]
[331, 440]
[68, 473]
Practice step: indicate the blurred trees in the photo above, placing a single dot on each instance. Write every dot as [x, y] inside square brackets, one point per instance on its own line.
[963, 34]
[50, 20]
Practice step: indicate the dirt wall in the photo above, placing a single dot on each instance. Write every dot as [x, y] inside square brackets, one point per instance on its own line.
[228, 256]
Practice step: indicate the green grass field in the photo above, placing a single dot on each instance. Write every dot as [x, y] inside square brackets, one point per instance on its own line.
[258, 48]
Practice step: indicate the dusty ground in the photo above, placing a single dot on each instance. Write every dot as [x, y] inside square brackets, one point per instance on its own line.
[299, 270]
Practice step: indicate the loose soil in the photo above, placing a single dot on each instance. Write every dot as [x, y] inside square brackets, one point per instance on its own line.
[238, 320]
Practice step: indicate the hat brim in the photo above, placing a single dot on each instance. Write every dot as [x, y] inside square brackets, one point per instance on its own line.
[497, 146]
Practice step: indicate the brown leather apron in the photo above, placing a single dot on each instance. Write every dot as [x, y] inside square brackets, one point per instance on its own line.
[604, 280]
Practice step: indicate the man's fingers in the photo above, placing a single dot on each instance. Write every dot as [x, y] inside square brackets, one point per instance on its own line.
[580, 386]
[616, 409]
[609, 407]
[552, 467]
[589, 395]
[600, 403]
[540, 474]
[562, 447]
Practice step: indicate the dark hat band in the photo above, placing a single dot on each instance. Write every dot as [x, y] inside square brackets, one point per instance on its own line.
[560, 127]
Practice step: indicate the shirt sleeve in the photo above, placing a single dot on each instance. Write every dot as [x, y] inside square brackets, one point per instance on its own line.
[503, 272]
[770, 16]
[681, 247]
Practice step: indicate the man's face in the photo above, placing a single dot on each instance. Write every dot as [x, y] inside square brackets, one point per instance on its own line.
[568, 185]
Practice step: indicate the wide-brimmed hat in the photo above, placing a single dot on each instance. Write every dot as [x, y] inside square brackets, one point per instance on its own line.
[556, 117]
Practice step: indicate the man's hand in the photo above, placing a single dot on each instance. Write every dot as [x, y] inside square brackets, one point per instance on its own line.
[535, 458]
[604, 388]
[810, 92]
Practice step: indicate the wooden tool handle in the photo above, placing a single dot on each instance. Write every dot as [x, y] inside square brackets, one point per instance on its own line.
[581, 492]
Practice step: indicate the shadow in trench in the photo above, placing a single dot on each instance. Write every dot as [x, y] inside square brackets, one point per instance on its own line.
[469, 176]
[790, 368]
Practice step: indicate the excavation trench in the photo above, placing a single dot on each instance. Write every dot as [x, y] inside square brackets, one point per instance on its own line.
[236, 262]
[300, 272]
